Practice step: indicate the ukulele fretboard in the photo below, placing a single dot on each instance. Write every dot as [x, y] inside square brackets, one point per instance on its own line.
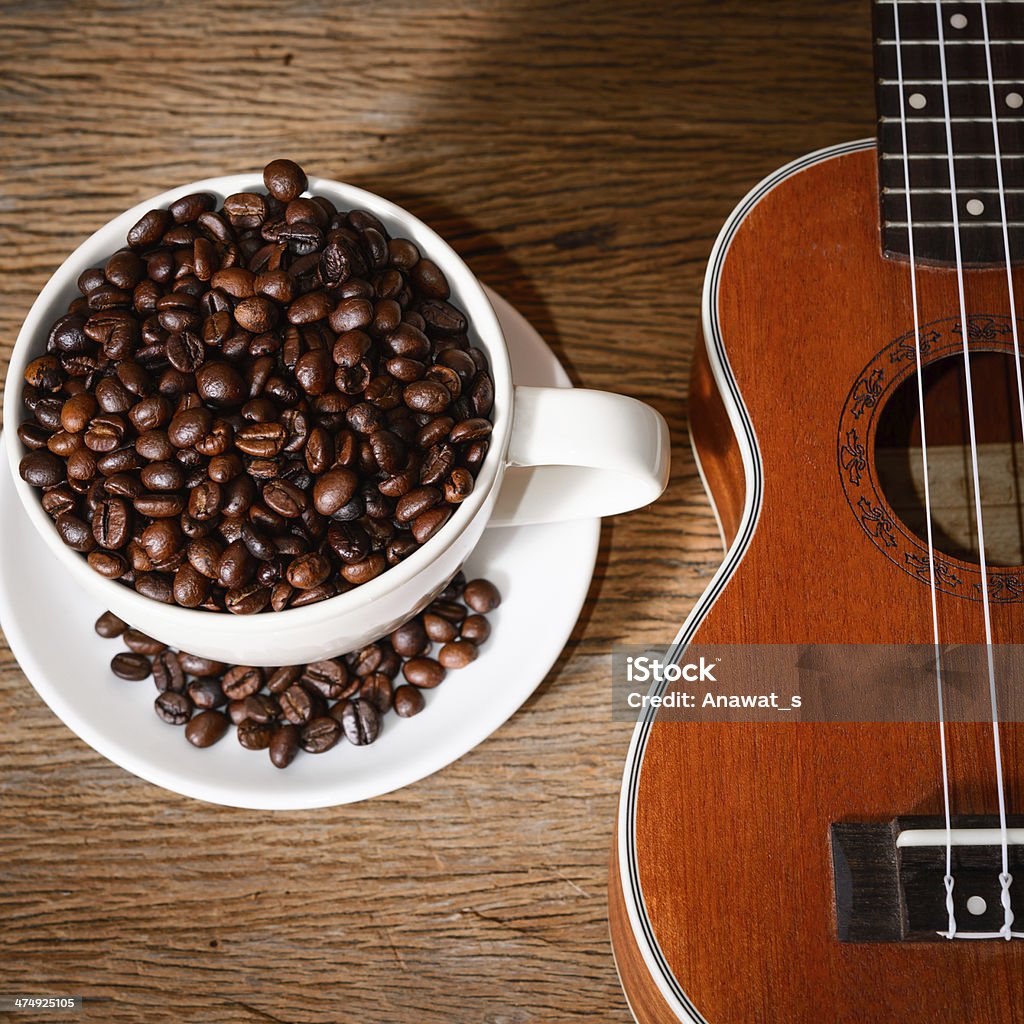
[951, 113]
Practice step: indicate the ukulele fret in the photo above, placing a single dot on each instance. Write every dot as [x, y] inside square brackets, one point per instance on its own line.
[920, 117]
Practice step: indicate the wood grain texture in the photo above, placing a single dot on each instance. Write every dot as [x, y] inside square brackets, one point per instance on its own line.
[581, 157]
[744, 914]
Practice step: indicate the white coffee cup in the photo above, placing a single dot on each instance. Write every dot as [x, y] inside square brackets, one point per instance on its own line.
[555, 454]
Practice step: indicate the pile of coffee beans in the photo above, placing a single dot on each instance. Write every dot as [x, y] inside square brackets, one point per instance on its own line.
[310, 707]
[257, 406]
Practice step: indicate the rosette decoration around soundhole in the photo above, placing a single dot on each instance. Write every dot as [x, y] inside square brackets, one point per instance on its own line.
[880, 464]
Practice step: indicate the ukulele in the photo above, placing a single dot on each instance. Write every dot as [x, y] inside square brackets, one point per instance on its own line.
[856, 411]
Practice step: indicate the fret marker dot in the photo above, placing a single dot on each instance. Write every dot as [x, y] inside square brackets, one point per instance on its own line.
[1015, 101]
[976, 905]
[958, 21]
[975, 207]
[917, 101]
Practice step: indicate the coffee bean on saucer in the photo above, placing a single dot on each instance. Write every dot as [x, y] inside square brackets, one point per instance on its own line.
[319, 735]
[281, 678]
[167, 673]
[284, 744]
[130, 666]
[482, 596]
[108, 625]
[202, 667]
[254, 735]
[241, 681]
[410, 639]
[408, 701]
[457, 653]
[206, 693]
[376, 689]
[360, 722]
[438, 629]
[297, 704]
[329, 678]
[174, 708]
[206, 728]
[136, 640]
[423, 672]
[475, 628]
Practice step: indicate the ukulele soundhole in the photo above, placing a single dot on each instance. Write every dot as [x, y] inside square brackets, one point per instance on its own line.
[879, 457]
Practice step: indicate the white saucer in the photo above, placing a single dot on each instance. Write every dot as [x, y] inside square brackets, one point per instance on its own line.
[543, 573]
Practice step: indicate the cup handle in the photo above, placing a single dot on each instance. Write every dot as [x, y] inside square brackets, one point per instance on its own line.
[578, 454]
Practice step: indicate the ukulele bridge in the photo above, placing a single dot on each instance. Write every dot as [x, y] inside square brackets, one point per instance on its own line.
[890, 886]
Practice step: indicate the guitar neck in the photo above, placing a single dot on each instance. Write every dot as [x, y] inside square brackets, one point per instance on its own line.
[962, 95]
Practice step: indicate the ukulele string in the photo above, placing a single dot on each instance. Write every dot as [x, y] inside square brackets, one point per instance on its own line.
[1004, 878]
[948, 877]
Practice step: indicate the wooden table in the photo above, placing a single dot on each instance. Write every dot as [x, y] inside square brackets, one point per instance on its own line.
[581, 157]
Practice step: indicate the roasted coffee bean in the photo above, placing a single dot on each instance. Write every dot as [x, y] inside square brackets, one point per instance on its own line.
[281, 678]
[242, 681]
[245, 209]
[263, 440]
[254, 735]
[416, 502]
[320, 735]
[42, 469]
[408, 701]
[284, 745]
[482, 596]
[425, 525]
[149, 229]
[349, 541]
[247, 600]
[75, 532]
[206, 728]
[376, 689]
[296, 704]
[439, 629]
[206, 693]
[202, 667]
[173, 708]
[308, 571]
[458, 653]
[332, 491]
[360, 722]
[410, 639]
[367, 569]
[156, 586]
[136, 640]
[426, 396]
[191, 588]
[130, 666]
[236, 711]
[108, 564]
[108, 625]
[261, 708]
[186, 209]
[476, 629]
[285, 499]
[220, 384]
[285, 180]
[329, 678]
[167, 672]
[423, 672]
[458, 486]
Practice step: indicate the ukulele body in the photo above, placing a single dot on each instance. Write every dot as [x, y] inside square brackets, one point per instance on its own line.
[722, 896]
